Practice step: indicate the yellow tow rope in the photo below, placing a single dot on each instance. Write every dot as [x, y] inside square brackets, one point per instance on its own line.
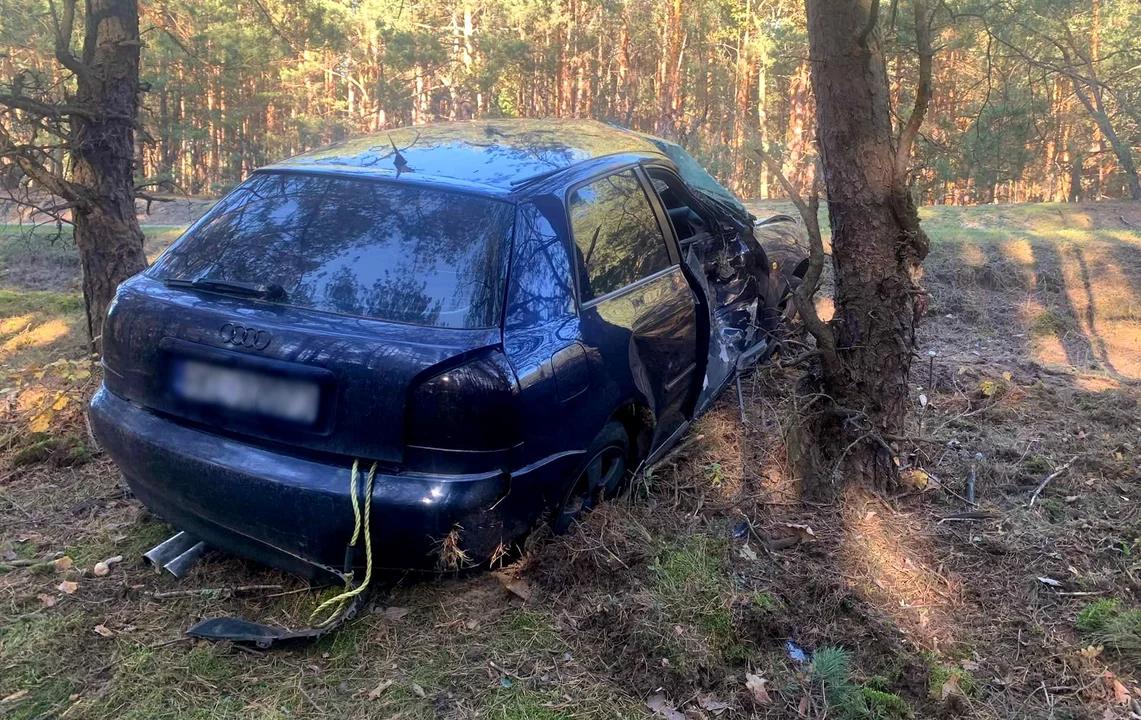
[339, 602]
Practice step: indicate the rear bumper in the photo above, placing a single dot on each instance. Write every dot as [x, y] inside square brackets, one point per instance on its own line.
[296, 514]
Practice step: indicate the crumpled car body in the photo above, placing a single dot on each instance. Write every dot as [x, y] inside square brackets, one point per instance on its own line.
[463, 307]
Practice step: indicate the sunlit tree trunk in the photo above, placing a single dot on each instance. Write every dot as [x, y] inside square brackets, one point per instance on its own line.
[877, 244]
[799, 122]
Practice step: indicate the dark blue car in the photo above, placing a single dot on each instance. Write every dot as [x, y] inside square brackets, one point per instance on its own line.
[506, 317]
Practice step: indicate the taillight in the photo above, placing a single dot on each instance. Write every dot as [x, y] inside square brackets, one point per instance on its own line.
[469, 407]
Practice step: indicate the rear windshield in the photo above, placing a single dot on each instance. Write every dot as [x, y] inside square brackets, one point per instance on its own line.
[355, 247]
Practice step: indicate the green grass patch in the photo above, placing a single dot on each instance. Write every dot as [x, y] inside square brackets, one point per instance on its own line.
[210, 662]
[691, 564]
[526, 629]
[1037, 465]
[342, 646]
[1051, 322]
[693, 587]
[765, 601]
[31, 646]
[1109, 624]
[516, 703]
[14, 303]
[940, 674]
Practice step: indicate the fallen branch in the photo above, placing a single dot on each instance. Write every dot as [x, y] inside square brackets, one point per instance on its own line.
[1042, 485]
[24, 563]
[980, 515]
[1129, 224]
[213, 592]
[943, 485]
[916, 439]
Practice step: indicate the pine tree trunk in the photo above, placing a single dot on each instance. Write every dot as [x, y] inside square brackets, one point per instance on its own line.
[797, 139]
[107, 232]
[877, 245]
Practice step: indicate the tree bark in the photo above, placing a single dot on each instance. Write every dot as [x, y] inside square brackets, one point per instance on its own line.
[107, 233]
[797, 138]
[877, 243]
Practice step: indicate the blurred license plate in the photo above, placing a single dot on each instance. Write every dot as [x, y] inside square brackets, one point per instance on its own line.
[249, 392]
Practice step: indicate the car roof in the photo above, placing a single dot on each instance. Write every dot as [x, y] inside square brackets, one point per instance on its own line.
[492, 156]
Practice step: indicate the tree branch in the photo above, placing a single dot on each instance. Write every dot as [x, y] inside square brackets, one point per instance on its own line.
[54, 212]
[69, 191]
[43, 109]
[922, 93]
[869, 28]
[805, 294]
[64, 28]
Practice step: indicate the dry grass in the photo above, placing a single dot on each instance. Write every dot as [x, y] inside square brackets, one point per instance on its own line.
[680, 589]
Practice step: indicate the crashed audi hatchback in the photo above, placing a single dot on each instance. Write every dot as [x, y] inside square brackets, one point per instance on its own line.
[497, 320]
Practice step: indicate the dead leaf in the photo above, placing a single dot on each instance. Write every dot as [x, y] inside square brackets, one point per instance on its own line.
[950, 686]
[68, 587]
[379, 689]
[1092, 651]
[104, 631]
[658, 705]
[802, 708]
[418, 691]
[63, 563]
[1120, 693]
[1050, 581]
[515, 585]
[804, 532]
[708, 702]
[756, 685]
[915, 478]
[46, 600]
[747, 552]
[40, 423]
[14, 697]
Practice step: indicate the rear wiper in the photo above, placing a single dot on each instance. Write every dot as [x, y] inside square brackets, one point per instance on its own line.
[272, 291]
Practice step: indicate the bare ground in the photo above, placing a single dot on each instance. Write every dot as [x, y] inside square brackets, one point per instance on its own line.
[715, 568]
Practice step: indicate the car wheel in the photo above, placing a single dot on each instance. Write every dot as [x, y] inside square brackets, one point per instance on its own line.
[601, 477]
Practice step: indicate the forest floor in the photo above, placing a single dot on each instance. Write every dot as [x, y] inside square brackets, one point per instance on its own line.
[685, 600]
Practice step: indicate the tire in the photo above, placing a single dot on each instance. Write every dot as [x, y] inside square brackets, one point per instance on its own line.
[601, 477]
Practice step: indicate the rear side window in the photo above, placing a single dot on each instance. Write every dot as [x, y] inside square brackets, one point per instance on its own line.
[616, 233]
[541, 270]
[356, 247]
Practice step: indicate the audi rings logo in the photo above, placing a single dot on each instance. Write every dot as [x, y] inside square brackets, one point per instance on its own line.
[244, 336]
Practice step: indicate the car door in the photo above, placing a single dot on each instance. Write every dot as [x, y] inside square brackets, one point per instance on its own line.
[637, 309]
